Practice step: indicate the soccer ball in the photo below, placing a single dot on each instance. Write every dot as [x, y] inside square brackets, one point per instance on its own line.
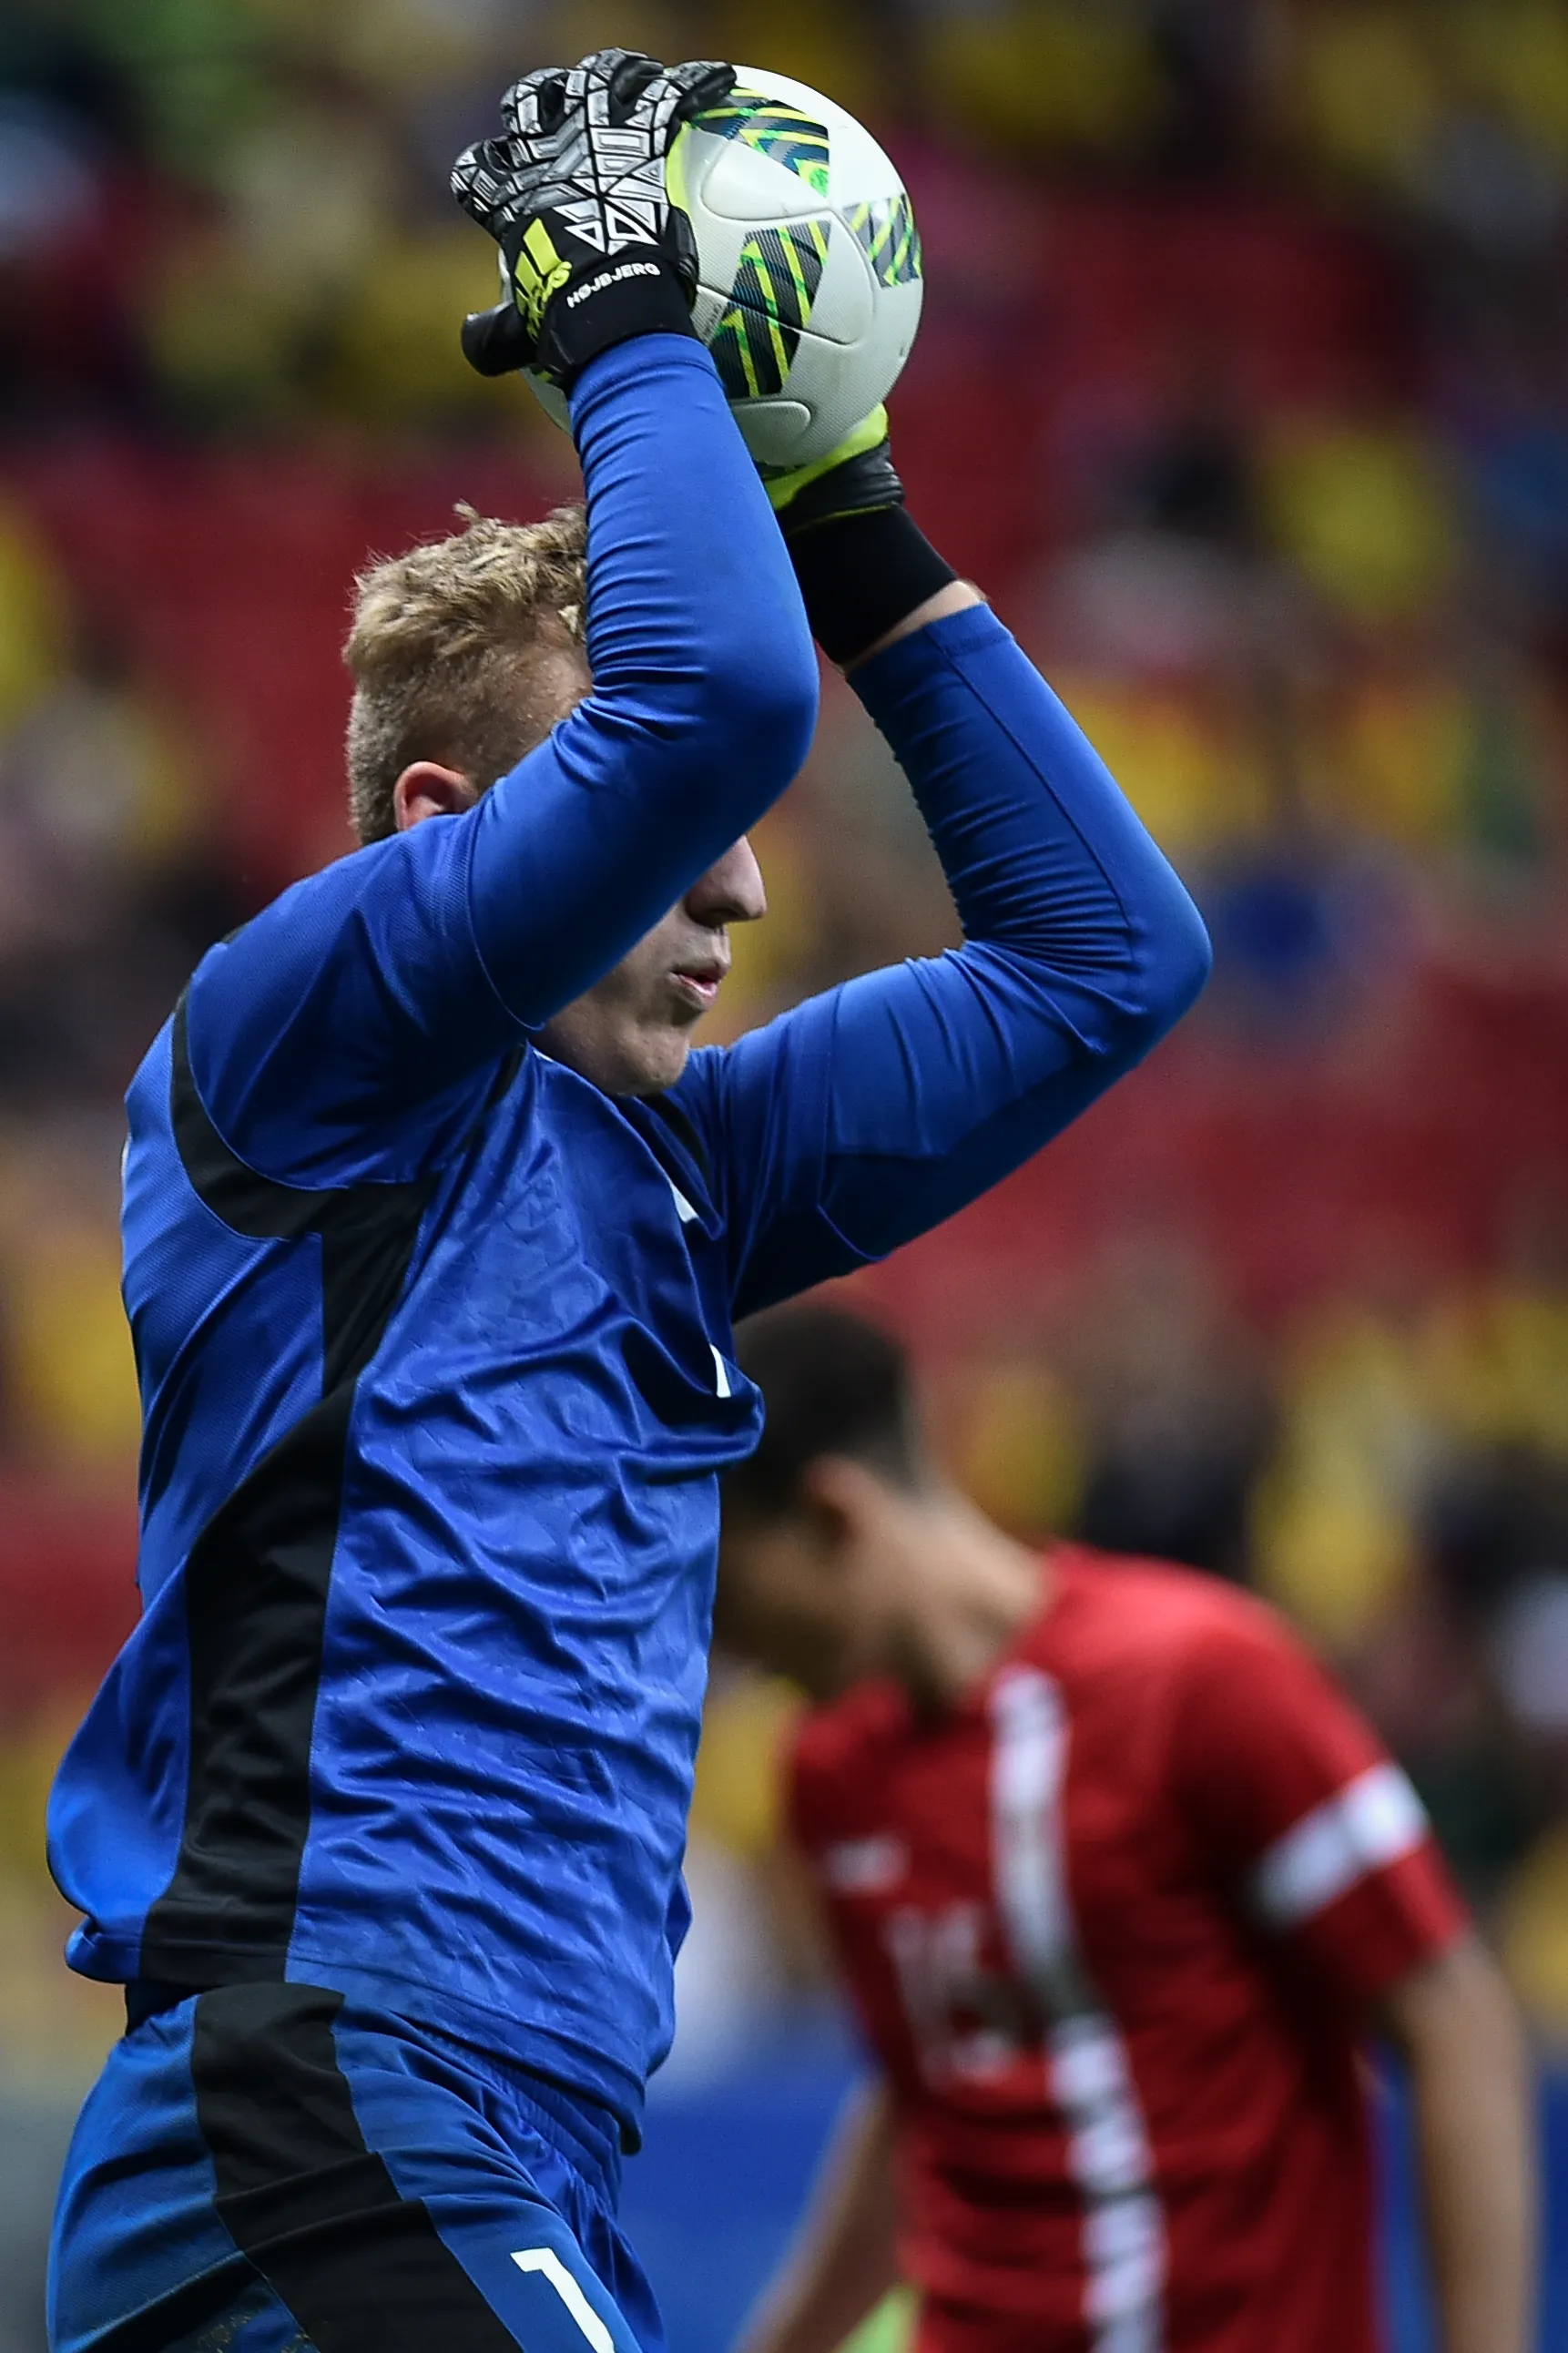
[809, 283]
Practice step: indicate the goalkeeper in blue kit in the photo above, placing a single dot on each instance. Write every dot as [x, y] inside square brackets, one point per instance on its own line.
[435, 1231]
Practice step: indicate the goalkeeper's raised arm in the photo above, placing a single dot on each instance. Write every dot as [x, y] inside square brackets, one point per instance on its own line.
[870, 1113]
[343, 1032]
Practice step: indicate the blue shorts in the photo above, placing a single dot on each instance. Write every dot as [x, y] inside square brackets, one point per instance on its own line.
[270, 2169]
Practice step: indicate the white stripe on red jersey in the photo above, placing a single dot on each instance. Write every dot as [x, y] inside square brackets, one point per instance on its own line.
[1086, 2069]
[1373, 1821]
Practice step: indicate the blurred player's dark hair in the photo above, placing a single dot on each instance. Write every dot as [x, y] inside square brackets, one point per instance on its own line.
[833, 1384]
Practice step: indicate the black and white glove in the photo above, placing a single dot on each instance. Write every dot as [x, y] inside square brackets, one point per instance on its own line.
[574, 193]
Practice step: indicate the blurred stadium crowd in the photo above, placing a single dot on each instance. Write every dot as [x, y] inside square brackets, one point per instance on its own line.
[1244, 390]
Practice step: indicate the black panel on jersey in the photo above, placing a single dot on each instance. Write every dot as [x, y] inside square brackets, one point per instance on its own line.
[255, 1607]
[367, 1241]
[250, 1204]
[257, 1575]
[362, 2268]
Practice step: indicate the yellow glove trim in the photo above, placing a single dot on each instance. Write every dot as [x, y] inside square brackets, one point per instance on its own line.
[537, 272]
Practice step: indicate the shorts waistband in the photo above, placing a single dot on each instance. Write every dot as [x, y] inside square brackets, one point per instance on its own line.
[595, 2137]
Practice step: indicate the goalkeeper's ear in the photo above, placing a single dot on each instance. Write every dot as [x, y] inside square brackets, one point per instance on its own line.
[427, 788]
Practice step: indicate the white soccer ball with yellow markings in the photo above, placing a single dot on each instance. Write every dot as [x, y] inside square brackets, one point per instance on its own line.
[809, 282]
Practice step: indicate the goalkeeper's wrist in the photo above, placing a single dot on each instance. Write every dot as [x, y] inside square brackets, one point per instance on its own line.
[631, 293]
[861, 575]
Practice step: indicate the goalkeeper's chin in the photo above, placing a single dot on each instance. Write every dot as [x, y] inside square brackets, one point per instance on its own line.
[630, 1040]
[664, 1037]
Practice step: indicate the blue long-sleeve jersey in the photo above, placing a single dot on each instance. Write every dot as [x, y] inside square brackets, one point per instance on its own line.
[434, 1338]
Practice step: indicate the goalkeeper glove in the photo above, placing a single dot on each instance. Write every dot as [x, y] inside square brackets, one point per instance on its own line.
[862, 561]
[855, 479]
[592, 249]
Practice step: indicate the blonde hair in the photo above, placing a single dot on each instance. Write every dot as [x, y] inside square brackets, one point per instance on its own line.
[449, 650]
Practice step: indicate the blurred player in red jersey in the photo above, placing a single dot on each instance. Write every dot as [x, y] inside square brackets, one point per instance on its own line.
[1121, 1885]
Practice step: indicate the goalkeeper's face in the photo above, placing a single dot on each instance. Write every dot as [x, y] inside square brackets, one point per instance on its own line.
[631, 1033]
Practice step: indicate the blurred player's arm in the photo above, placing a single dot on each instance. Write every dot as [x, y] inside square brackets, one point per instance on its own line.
[843, 2263]
[1298, 1806]
[870, 1113]
[1453, 2020]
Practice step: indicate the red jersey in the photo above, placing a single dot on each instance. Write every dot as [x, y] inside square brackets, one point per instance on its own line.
[1113, 1927]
